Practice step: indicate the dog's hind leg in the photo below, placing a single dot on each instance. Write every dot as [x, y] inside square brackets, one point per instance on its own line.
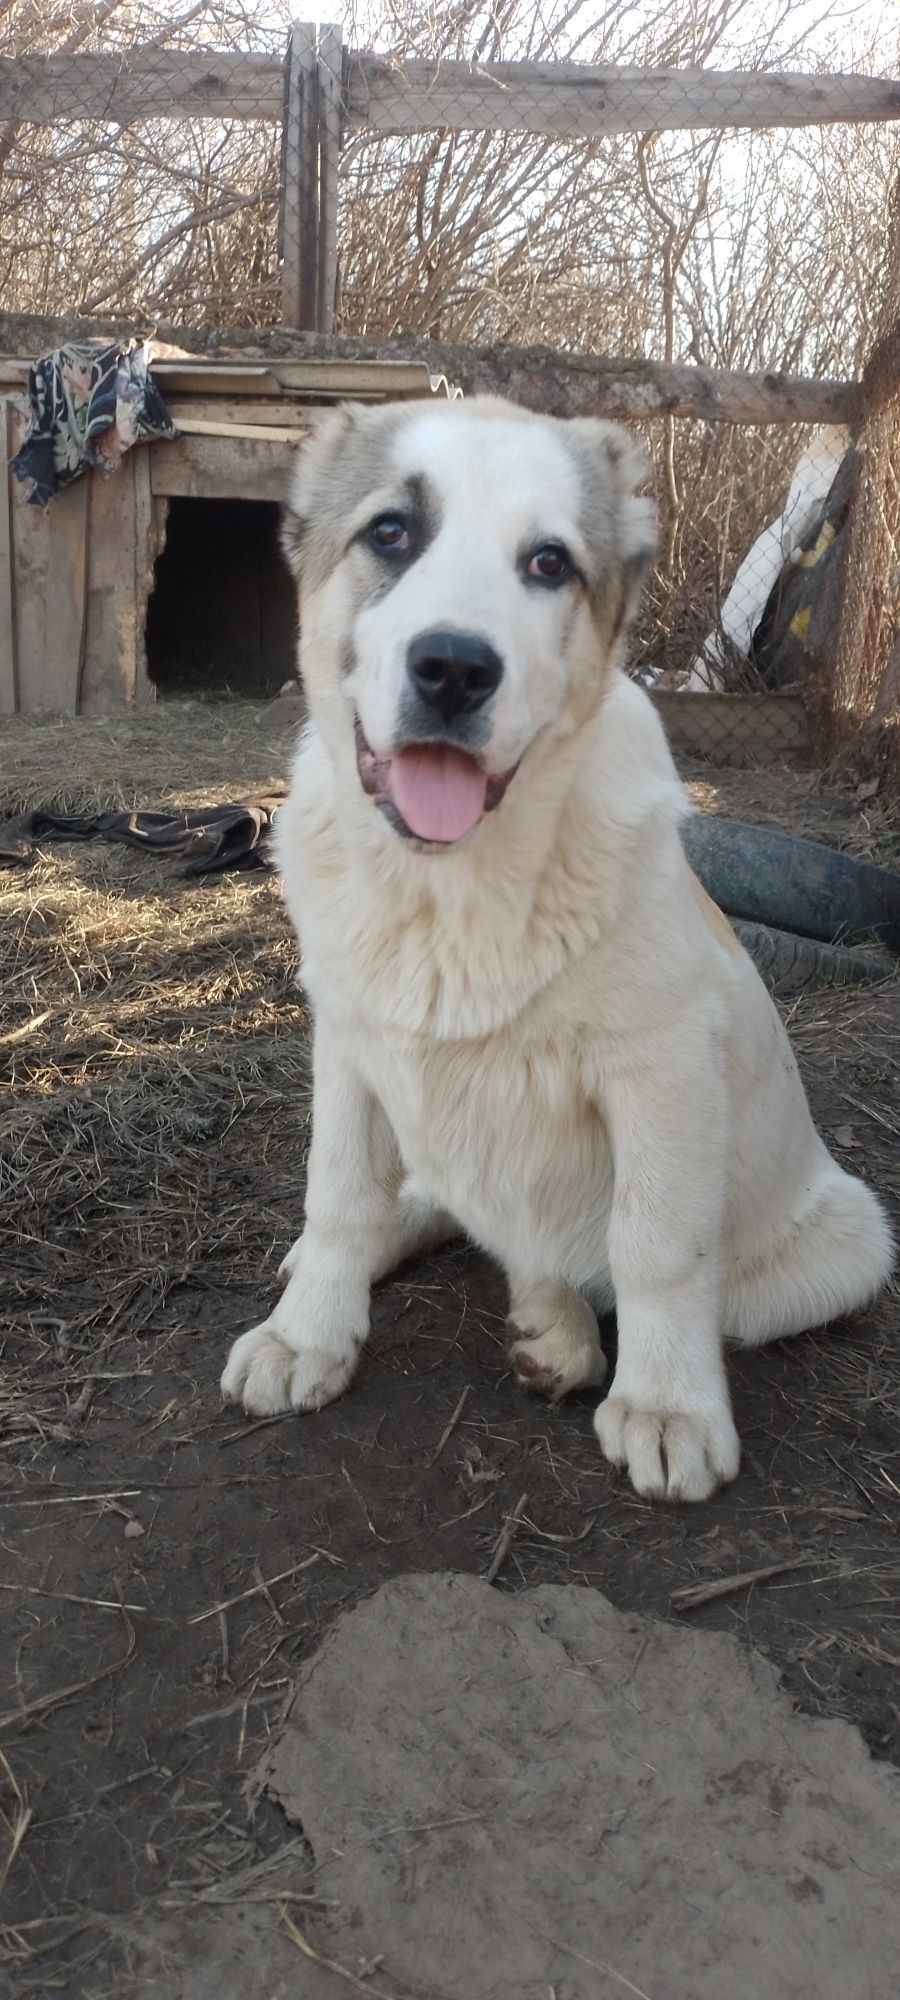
[554, 1340]
[419, 1226]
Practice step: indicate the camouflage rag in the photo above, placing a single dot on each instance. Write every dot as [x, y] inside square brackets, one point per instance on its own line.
[87, 405]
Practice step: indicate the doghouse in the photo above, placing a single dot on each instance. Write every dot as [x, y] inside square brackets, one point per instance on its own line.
[167, 575]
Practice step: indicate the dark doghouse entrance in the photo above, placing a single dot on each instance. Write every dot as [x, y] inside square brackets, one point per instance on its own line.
[222, 617]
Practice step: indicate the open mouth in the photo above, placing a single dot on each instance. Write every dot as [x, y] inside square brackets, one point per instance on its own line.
[430, 791]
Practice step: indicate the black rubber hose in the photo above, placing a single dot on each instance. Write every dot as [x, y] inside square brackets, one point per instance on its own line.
[768, 877]
[791, 965]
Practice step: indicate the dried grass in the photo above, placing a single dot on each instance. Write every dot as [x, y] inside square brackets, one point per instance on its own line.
[153, 1050]
[192, 753]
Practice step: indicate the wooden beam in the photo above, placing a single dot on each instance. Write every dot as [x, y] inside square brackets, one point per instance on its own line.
[569, 385]
[149, 83]
[542, 378]
[9, 699]
[584, 101]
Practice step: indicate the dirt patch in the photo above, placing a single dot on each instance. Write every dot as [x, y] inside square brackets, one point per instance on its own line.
[165, 1566]
[616, 1803]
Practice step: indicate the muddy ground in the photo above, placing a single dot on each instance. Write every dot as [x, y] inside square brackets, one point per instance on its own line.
[164, 1564]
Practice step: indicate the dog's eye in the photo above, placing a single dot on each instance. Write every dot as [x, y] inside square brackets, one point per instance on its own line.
[550, 564]
[390, 535]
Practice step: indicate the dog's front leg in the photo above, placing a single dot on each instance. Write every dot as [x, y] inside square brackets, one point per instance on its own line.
[305, 1353]
[668, 1415]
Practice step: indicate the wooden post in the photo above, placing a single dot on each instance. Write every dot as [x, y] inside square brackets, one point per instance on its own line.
[9, 691]
[331, 117]
[863, 694]
[310, 163]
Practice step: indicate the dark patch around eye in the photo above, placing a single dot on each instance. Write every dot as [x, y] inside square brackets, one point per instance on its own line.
[417, 507]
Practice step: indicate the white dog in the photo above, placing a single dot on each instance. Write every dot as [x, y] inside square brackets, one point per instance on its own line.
[530, 1022]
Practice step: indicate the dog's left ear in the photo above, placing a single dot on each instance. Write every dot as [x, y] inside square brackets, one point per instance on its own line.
[616, 465]
[326, 438]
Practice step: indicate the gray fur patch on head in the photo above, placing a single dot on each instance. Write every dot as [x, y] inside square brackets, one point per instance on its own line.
[347, 454]
[619, 525]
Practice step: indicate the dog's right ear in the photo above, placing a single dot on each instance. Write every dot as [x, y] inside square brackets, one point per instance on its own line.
[328, 433]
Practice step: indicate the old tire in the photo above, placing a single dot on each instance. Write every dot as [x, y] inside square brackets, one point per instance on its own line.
[791, 966]
[767, 877]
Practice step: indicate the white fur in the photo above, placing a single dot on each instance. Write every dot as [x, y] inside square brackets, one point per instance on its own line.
[545, 1034]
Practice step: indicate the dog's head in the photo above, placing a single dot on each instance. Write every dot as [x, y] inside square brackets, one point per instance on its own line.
[467, 572]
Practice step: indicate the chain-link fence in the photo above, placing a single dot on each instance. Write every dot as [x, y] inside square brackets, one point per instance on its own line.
[711, 196]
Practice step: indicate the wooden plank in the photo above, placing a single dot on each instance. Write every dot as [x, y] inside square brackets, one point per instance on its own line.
[114, 617]
[284, 413]
[208, 378]
[49, 574]
[149, 540]
[585, 101]
[356, 378]
[331, 118]
[312, 378]
[151, 83]
[66, 600]
[233, 377]
[50, 583]
[215, 427]
[9, 698]
[207, 468]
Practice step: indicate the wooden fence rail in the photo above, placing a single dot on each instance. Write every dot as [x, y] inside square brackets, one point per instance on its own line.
[580, 101]
[152, 83]
[564, 100]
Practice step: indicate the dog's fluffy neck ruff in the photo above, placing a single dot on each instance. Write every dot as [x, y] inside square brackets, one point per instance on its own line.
[453, 945]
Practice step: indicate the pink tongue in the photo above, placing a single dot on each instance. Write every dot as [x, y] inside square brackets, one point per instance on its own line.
[440, 793]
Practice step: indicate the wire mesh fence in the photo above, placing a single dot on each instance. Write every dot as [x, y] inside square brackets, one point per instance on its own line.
[709, 194]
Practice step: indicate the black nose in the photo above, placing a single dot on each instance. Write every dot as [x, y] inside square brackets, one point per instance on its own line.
[453, 671]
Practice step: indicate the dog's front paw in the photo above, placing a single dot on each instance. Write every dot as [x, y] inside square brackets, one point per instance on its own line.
[554, 1343]
[670, 1454]
[267, 1376]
